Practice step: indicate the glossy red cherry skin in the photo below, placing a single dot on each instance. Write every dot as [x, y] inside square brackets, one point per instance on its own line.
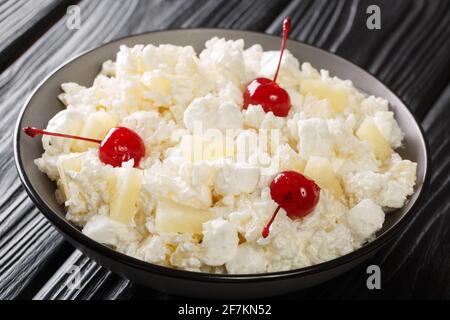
[269, 95]
[295, 193]
[120, 145]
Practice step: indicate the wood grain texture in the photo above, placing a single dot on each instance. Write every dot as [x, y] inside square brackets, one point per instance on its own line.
[94, 282]
[411, 53]
[22, 22]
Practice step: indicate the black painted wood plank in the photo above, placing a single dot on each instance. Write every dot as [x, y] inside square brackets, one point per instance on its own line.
[27, 257]
[23, 21]
[70, 279]
[411, 52]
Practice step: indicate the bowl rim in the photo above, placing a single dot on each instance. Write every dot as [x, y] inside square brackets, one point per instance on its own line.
[68, 230]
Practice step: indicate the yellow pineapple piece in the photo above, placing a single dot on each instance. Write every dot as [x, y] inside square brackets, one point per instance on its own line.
[197, 148]
[97, 126]
[125, 195]
[159, 85]
[369, 132]
[319, 169]
[172, 216]
[68, 162]
[290, 160]
[336, 94]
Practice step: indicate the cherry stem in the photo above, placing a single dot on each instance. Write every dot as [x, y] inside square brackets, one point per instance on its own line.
[266, 230]
[286, 29]
[32, 132]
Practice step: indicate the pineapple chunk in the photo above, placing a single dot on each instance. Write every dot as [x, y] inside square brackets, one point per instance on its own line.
[369, 132]
[97, 126]
[122, 203]
[336, 94]
[111, 180]
[289, 159]
[319, 169]
[172, 216]
[68, 162]
[197, 148]
[158, 84]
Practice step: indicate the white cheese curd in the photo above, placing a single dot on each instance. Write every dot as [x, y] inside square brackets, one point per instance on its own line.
[153, 250]
[248, 259]
[107, 231]
[385, 122]
[314, 138]
[220, 242]
[289, 75]
[231, 93]
[255, 117]
[88, 189]
[236, 178]
[365, 219]
[388, 189]
[223, 62]
[209, 112]
[327, 245]
[108, 68]
[166, 179]
[157, 130]
[252, 60]
[200, 197]
[48, 164]
[370, 105]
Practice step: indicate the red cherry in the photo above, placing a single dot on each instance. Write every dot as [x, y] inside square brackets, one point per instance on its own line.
[295, 193]
[120, 144]
[268, 93]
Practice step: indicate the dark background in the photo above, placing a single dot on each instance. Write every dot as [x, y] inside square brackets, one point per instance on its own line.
[411, 53]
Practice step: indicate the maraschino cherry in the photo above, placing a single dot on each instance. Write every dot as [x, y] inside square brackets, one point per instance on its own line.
[267, 92]
[295, 193]
[120, 144]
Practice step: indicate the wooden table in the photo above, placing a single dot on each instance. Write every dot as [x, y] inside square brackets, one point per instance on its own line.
[411, 53]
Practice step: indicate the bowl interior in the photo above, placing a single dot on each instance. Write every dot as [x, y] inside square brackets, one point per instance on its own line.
[44, 104]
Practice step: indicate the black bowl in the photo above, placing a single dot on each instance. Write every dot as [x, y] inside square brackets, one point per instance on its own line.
[43, 105]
